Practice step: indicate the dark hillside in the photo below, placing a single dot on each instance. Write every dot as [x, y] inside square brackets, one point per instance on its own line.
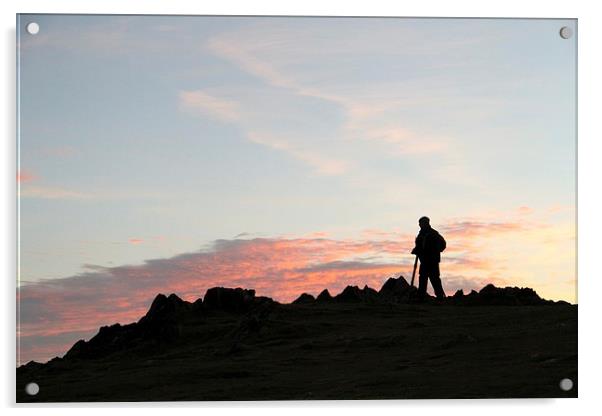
[359, 344]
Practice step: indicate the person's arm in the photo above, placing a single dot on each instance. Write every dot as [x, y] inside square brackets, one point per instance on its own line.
[415, 249]
[443, 244]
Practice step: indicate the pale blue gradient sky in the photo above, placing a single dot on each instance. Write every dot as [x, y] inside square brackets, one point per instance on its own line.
[177, 131]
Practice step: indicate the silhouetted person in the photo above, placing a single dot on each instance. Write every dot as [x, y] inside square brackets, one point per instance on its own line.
[429, 245]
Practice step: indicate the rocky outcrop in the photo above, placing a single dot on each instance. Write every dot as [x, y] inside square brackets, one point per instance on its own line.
[165, 308]
[109, 339]
[397, 290]
[393, 285]
[161, 324]
[491, 295]
[355, 294]
[324, 296]
[168, 314]
[305, 298]
[229, 300]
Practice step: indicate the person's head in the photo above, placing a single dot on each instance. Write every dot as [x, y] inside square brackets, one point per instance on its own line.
[424, 223]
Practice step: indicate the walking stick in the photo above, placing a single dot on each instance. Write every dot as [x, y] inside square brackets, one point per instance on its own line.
[414, 272]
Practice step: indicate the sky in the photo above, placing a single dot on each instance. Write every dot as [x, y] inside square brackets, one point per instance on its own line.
[172, 154]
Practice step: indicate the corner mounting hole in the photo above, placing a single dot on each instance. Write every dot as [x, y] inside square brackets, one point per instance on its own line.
[32, 389]
[32, 28]
[566, 32]
[566, 384]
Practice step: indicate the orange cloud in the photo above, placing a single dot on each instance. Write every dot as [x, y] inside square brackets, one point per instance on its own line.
[135, 241]
[281, 268]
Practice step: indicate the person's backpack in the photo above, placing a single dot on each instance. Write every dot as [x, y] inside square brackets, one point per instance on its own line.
[442, 243]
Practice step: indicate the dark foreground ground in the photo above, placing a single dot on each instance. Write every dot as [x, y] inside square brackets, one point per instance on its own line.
[333, 351]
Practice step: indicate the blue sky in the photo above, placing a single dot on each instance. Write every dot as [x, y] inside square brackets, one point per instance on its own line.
[147, 137]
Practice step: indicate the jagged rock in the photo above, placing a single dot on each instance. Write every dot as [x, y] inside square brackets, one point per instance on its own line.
[167, 315]
[370, 295]
[490, 295]
[355, 294]
[108, 340]
[349, 294]
[32, 366]
[165, 307]
[77, 350]
[163, 323]
[197, 305]
[394, 286]
[528, 296]
[488, 289]
[397, 290]
[160, 324]
[471, 299]
[107, 336]
[229, 300]
[262, 349]
[458, 298]
[263, 301]
[324, 296]
[305, 298]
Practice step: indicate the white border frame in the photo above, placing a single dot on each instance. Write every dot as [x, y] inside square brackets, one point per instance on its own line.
[589, 207]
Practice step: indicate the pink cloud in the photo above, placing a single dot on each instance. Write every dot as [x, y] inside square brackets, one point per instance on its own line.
[24, 176]
[135, 241]
[281, 268]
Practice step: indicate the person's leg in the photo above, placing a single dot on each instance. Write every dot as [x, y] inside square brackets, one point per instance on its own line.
[422, 281]
[436, 281]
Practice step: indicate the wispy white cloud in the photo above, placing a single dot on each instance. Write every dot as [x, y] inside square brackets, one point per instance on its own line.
[239, 53]
[205, 103]
[51, 192]
[253, 126]
[320, 163]
[370, 116]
